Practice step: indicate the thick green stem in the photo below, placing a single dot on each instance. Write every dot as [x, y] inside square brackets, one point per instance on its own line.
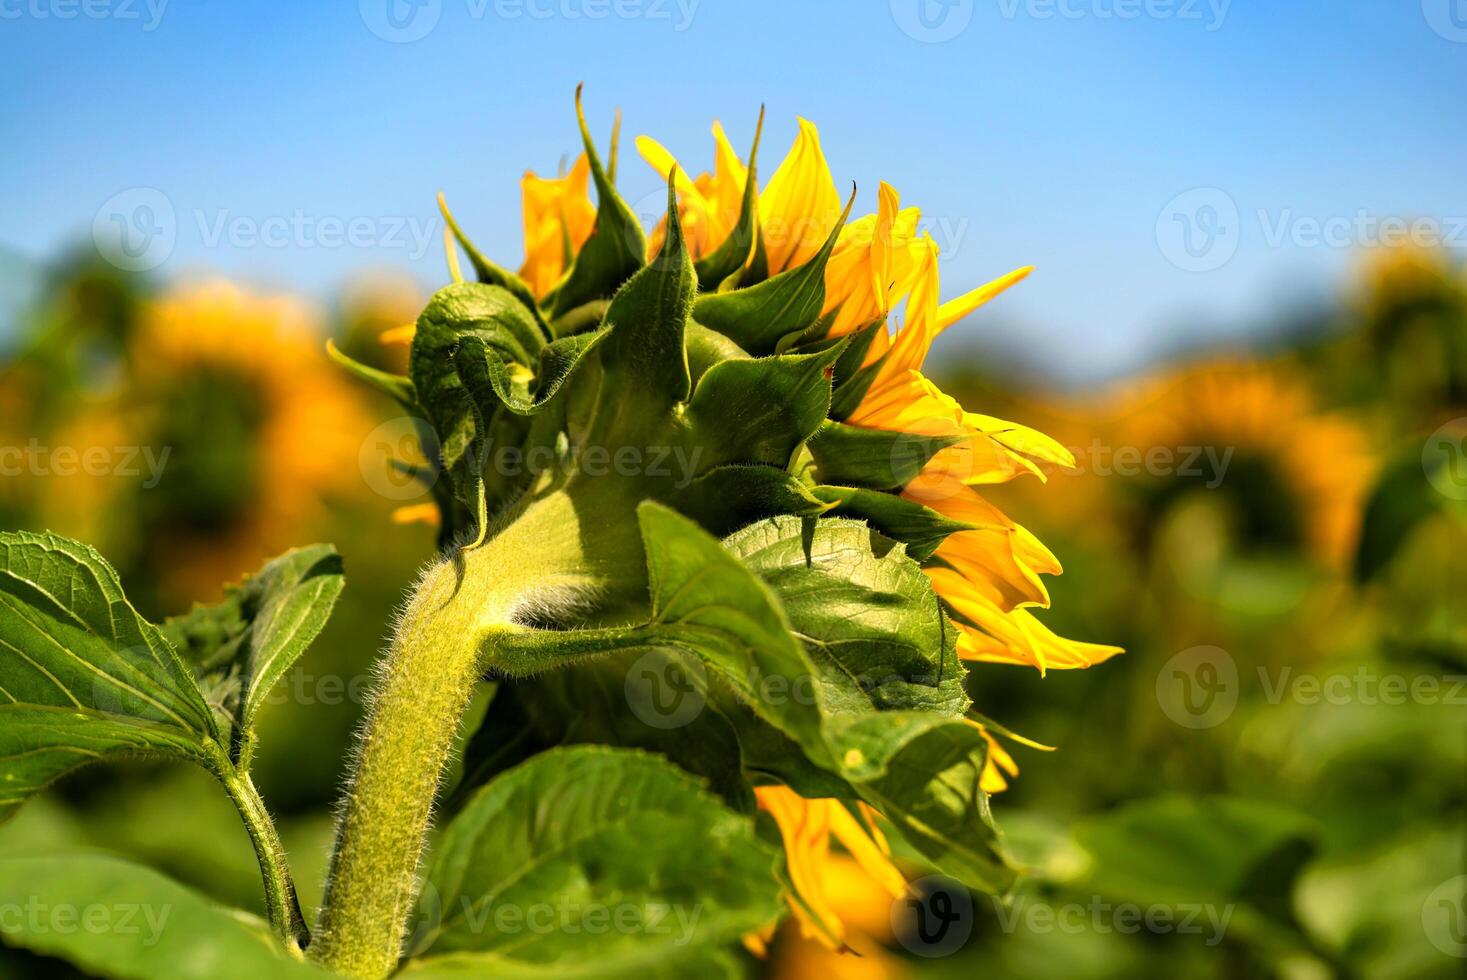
[440, 650]
[280, 899]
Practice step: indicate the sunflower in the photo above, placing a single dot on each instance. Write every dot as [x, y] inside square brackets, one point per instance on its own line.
[1297, 474]
[989, 576]
[259, 428]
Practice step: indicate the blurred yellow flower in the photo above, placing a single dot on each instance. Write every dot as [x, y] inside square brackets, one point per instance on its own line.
[259, 426]
[1263, 419]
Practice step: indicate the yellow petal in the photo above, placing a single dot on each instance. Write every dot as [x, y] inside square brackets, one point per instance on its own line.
[955, 309]
[800, 205]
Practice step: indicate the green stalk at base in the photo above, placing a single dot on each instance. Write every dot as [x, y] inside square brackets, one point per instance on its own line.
[442, 647]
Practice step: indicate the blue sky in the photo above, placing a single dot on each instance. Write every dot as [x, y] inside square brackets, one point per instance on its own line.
[1097, 139]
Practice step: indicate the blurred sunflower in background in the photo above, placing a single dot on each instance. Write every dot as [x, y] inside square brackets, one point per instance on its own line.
[238, 432]
[1280, 475]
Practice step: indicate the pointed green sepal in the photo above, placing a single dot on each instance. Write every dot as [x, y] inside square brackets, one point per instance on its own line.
[757, 318]
[616, 249]
[730, 257]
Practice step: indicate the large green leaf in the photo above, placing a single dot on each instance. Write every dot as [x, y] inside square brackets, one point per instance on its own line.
[82, 675]
[116, 919]
[243, 646]
[616, 249]
[595, 855]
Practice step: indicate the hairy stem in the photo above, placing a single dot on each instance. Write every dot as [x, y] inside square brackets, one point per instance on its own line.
[439, 652]
[280, 899]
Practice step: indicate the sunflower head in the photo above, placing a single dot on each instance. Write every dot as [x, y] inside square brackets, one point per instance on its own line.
[732, 424]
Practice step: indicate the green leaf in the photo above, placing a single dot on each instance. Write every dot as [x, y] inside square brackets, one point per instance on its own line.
[877, 458]
[758, 317]
[729, 258]
[454, 314]
[84, 676]
[116, 919]
[832, 637]
[616, 249]
[590, 833]
[918, 526]
[760, 410]
[243, 646]
[645, 361]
